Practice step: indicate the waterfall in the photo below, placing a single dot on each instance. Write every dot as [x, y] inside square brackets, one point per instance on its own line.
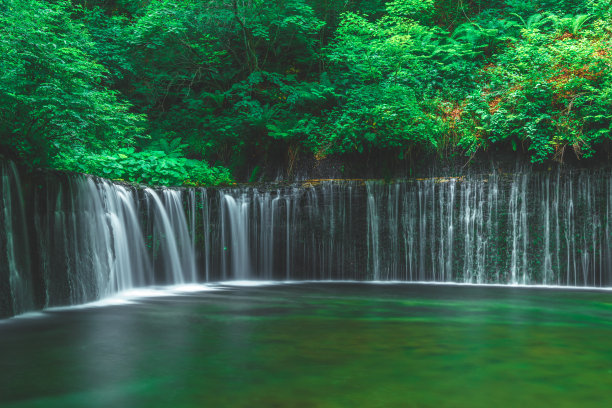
[175, 243]
[373, 238]
[75, 239]
[206, 233]
[237, 241]
[115, 232]
[14, 244]
[69, 239]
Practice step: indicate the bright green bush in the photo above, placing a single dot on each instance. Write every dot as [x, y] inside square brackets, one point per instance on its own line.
[152, 167]
[548, 93]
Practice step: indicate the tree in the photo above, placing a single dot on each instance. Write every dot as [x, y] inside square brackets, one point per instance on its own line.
[51, 94]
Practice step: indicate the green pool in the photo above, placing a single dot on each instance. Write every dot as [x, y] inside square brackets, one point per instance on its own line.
[317, 345]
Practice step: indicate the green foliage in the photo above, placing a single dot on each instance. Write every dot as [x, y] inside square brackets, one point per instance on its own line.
[377, 117]
[172, 149]
[52, 96]
[152, 91]
[415, 9]
[391, 74]
[548, 92]
[148, 167]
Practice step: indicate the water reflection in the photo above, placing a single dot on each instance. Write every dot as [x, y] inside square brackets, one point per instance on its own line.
[325, 344]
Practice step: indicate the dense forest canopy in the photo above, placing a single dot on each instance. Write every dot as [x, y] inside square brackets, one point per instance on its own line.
[194, 92]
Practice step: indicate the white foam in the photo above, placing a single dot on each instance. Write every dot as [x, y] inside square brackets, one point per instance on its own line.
[132, 296]
[251, 283]
[27, 315]
[464, 284]
[254, 283]
[190, 288]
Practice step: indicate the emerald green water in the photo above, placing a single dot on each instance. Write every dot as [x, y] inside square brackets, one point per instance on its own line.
[318, 345]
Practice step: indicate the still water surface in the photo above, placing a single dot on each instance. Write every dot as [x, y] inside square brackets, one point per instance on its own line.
[317, 345]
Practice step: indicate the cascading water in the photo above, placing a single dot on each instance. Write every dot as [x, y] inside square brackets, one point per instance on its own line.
[17, 293]
[73, 239]
[174, 243]
[236, 242]
[522, 228]
[496, 229]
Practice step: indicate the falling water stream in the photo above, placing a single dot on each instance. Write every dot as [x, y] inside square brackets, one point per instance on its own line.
[73, 239]
[319, 293]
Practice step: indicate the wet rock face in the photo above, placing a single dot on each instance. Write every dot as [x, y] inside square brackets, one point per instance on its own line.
[524, 228]
[69, 239]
